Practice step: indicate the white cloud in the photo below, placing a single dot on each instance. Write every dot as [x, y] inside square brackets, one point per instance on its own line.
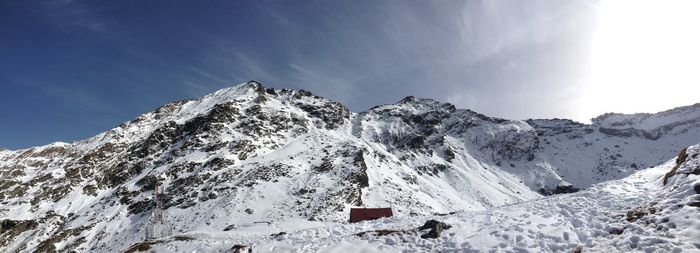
[504, 58]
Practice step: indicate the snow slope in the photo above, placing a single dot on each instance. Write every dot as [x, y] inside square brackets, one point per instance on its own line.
[615, 145]
[635, 214]
[249, 153]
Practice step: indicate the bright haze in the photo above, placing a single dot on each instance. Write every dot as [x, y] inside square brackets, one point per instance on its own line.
[70, 69]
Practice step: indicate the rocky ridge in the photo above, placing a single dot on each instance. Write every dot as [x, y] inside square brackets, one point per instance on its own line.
[253, 153]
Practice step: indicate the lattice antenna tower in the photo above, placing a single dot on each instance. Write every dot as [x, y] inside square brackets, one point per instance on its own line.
[159, 226]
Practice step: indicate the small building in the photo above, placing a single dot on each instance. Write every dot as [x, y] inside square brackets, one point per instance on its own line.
[360, 214]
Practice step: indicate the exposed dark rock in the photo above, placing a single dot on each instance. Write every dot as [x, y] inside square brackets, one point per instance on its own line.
[244, 148]
[305, 191]
[302, 93]
[222, 113]
[100, 154]
[183, 238]
[616, 231]
[125, 195]
[449, 154]
[362, 177]
[433, 169]
[638, 213]
[265, 173]
[629, 132]
[139, 207]
[416, 142]
[561, 189]
[90, 190]
[238, 248]
[682, 156]
[138, 247]
[436, 227]
[183, 191]
[260, 99]
[695, 171]
[216, 147]
[278, 234]
[407, 99]
[333, 114]
[48, 245]
[325, 166]
[380, 232]
[119, 174]
[218, 163]
[160, 139]
[16, 227]
[271, 91]
[51, 192]
[147, 183]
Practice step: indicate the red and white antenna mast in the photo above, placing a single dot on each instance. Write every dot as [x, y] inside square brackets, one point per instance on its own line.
[158, 199]
[158, 226]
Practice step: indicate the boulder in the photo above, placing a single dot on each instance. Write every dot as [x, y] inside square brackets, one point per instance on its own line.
[436, 227]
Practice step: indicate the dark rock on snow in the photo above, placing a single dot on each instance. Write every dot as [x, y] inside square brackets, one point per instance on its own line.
[436, 227]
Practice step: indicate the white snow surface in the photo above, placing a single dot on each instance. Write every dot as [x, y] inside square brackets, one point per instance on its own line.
[259, 161]
[562, 223]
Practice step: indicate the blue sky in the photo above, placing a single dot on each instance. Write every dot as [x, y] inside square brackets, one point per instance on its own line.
[70, 69]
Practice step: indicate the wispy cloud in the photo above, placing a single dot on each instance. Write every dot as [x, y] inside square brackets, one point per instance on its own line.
[495, 57]
[80, 14]
[490, 56]
[220, 65]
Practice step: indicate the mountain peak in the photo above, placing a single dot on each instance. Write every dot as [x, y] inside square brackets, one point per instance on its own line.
[254, 84]
[249, 86]
[250, 153]
[407, 99]
[416, 105]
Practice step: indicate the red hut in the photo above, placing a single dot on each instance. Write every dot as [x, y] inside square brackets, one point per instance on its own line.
[360, 214]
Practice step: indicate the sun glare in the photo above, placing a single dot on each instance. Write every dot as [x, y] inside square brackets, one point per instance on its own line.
[645, 57]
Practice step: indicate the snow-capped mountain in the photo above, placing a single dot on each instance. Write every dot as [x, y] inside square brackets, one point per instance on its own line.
[653, 210]
[250, 153]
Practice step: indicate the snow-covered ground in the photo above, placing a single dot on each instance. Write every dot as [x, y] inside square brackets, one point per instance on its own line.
[635, 214]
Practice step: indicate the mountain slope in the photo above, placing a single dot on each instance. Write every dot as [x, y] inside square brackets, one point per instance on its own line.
[639, 213]
[250, 154]
[615, 145]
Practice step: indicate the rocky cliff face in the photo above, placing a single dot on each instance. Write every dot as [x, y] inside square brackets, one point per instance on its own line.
[251, 153]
